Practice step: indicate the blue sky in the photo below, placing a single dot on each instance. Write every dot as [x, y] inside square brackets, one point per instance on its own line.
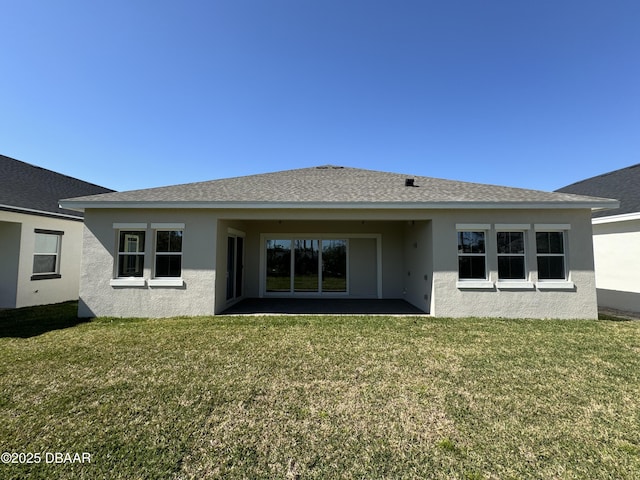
[141, 93]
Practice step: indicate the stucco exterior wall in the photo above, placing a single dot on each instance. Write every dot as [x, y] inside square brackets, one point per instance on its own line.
[19, 259]
[616, 248]
[9, 262]
[363, 272]
[451, 301]
[418, 255]
[195, 297]
[418, 264]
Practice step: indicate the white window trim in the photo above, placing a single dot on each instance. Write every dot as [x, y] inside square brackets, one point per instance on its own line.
[58, 254]
[473, 227]
[129, 226]
[553, 283]
[167, 226]
[474, 283]
[128, 282]
[512, 227]
[552, 227]
[165, 281]
[513, 283]
[142, 254]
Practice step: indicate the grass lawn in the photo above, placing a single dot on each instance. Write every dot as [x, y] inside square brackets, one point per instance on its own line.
[320, 397]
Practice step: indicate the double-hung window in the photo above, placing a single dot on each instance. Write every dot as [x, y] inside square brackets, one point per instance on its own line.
[472, 255]
[550, 252]
[131, 253]
[511, 256]
[46, 254]
[168, 253]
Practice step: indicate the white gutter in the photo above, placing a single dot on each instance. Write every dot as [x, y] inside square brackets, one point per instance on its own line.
[32, 211]
[82, 205]
[624, 217]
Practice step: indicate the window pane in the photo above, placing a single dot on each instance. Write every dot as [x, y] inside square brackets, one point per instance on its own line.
[555, 242]
[169, 241]
[511, 268]
[130, 265]
[471, 267]
[175, 241]
[278, 265]
[510, 242]
[131, 242]
[44, 263]
[334, 265]
[306, 266]
[549, 242]
[46, 243]
[470, 242]
[168, 265]
[542, 242]
[551, 268]
[162, 241]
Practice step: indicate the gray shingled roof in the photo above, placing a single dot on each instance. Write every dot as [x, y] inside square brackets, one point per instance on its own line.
[329, 185]
[623, 184]
[25, 186]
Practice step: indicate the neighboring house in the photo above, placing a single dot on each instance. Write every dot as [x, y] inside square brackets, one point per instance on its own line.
[616, 237]
[449, 248]
[40, 243]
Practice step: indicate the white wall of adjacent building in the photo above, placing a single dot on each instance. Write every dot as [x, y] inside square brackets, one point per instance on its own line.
[617, 262]
[17, 244]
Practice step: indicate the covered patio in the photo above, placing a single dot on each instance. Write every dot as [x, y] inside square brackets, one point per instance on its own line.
[322, 306]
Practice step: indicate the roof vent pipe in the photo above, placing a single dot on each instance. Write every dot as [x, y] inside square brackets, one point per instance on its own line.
[408, 182]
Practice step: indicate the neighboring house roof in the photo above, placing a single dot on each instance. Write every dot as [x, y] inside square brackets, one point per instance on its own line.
[623, 184]
[335, 187]
[31, 189]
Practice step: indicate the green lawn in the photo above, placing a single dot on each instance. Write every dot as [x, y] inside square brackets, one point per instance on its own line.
[320, 397]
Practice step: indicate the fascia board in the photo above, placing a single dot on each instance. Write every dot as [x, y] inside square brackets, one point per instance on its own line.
[42, 213]
[81, 206]
[625, 217]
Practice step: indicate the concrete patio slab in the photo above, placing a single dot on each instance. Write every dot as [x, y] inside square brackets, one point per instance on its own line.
[322, 306]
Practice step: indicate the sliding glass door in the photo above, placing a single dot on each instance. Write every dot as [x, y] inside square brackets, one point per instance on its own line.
[306, 266]
[278, 265]
[334, 265]
[235, 266]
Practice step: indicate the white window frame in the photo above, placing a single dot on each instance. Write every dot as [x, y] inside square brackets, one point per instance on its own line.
[318, 236]
[473, 283]
[555, 284]
[57, 254]
[166, 281]
[127, 281]
[514, 283]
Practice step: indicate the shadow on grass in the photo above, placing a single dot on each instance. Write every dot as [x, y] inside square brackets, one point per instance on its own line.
[33, 321]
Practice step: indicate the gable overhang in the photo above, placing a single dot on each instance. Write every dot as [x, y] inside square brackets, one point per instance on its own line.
[624, 217]
[41, 213]
[446, 205]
